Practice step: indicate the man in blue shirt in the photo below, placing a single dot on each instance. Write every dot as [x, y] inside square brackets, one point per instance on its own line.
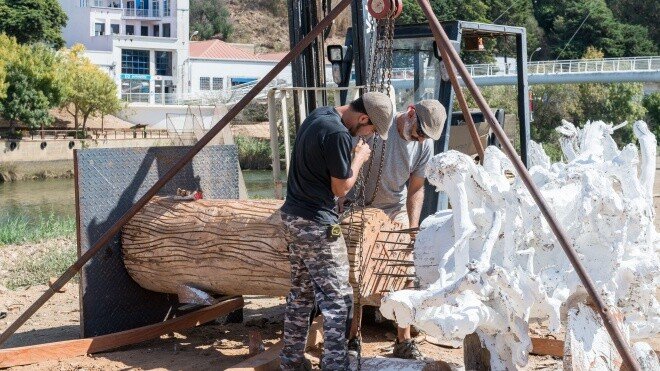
[321, 170]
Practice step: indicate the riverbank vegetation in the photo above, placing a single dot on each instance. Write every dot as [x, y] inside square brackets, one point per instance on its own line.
[35, 248]
[38, 268]
[22, 229]
[253, 153]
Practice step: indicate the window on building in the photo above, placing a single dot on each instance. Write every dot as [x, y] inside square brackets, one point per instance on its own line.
[155, 8]
[130, 29]
[217, 83]
[135, 90]
[144, 31]
[241, 80]
[204, 83]
[114, 28]
[167, 11]
[135, 62]
[166, 30]
[156, 30]
[163, 63]
[99, 29]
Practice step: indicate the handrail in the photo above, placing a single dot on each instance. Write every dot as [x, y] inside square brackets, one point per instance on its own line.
[207, 97]
[650, 63]
[93, 133]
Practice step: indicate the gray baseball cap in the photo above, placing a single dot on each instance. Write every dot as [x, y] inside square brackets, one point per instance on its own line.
[380, 111]
[432, 117]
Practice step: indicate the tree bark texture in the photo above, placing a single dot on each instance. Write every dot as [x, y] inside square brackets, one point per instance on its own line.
[238, 247]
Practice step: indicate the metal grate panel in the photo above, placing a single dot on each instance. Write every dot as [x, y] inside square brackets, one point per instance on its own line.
[108, 182]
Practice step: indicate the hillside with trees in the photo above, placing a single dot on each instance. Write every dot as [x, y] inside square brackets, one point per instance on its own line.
[618, 28]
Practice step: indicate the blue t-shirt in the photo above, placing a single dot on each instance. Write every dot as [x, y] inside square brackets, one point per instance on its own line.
[322, 150]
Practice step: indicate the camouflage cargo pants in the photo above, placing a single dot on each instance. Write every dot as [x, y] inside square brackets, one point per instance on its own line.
[319, 271]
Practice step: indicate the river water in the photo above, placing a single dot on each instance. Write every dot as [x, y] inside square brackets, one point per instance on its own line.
[33, 199]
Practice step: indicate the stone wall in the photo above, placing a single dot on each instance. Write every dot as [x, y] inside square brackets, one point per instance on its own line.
[30, 159]
[62, 149]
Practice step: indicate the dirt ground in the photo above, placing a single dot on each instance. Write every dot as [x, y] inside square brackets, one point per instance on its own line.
[209, 347]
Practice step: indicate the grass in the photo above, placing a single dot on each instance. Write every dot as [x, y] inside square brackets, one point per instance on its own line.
[20, 229]
[253, 153]
[37, 270]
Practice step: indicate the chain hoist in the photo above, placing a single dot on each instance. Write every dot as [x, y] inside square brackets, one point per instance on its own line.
[384, 13]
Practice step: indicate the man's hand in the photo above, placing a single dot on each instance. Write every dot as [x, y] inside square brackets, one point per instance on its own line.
[362, 152]
[340, 187]
[341, 204]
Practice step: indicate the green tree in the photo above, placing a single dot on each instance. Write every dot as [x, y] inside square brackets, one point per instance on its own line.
[3, 82]
[31, 21]
[552, 103]
[612, 103]
[643, 13]
[33, 84]
[88, 90]
[446, 10]
[652, 104]
[595, 25]
[211, 19]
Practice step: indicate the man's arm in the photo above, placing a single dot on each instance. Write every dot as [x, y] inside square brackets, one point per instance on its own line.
[415, 200]
[341, 187]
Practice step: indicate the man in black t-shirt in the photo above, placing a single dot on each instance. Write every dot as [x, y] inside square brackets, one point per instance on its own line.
[321, 169]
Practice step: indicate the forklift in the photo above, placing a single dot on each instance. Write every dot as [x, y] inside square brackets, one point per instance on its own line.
[416, 69]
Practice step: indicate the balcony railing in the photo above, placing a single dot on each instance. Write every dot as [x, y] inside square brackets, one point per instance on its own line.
[141, 13]
[105, 3]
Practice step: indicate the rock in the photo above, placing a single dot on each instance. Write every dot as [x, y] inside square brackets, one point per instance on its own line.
[257, 322]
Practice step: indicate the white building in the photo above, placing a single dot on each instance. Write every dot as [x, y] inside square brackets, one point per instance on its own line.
[217, 65]
[143, 44]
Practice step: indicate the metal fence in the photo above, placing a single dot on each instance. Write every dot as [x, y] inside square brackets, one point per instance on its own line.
[203, 98]
[49, 134]
[632, 64]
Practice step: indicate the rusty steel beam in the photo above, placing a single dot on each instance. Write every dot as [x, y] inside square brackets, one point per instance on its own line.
[443, 42]
[107, 236]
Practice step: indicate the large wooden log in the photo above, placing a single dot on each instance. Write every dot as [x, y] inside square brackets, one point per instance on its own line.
[237, 247]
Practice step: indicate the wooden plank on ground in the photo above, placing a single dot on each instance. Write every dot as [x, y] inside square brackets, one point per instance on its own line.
[71, 348]
[547, 347]
[269, 360]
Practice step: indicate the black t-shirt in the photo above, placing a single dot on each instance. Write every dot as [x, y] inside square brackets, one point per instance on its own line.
[322, 149]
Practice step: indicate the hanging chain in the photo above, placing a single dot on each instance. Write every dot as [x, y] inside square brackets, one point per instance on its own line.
[385, 29]
[380, 60]
[390, 56]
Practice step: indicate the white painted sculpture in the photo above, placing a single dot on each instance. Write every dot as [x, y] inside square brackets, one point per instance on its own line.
[491, 263]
